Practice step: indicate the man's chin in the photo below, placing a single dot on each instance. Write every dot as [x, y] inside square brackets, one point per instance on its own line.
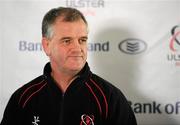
[77, 68]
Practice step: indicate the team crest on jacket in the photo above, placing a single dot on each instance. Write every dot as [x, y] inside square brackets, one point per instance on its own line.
[87, 120]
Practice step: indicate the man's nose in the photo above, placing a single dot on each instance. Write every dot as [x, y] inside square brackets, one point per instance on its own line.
[76, 43]
[76, 46]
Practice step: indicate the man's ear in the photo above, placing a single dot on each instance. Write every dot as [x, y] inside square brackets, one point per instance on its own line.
[45, 45]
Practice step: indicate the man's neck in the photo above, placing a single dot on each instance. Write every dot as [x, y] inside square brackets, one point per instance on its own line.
[63, 80]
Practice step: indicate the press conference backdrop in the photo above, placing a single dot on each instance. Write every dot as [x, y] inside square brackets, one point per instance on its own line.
[135, 44]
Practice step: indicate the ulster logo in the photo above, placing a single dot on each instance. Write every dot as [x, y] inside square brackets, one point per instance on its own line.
[175, 40]
[87, 120]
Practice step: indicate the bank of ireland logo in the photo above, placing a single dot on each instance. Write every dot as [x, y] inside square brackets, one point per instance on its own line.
[87, 120]
[175, 39]
[132, 46]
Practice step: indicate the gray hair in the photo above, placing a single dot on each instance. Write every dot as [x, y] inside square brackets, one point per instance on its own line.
[68, 14]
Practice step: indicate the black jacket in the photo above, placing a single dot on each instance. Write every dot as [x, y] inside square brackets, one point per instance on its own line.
[89, 100]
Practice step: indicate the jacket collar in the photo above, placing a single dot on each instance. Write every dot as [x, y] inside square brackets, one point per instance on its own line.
[82, 74]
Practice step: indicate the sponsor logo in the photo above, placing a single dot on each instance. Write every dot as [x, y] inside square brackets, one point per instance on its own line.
[155, 107]
[87, 120]
[36, 120]
[175, 39]
[132, 46]
[128, 46]
[92, 47]
[174, 46]
[99, 46]
[29, 46]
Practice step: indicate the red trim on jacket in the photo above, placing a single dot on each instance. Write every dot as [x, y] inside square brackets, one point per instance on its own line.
[30, 92]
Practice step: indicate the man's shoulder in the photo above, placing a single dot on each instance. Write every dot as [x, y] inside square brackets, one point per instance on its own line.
[25, 92]
[102, 81]
[105, 84]
[111, 91]
[35, 82]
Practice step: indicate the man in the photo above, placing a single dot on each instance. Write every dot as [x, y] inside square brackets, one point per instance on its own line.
[67, 92]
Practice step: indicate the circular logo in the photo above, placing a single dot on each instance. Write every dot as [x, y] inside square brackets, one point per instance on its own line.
[132, 46]
[87, 120]
[175, 40]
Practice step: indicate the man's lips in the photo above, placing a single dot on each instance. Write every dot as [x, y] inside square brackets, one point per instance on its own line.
[76, 56]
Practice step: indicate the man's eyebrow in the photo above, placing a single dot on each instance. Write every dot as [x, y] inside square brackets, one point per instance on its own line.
[84, 37]
[66, 37]
[63, 38]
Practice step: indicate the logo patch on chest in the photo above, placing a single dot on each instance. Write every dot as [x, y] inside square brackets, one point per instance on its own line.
[87, 120]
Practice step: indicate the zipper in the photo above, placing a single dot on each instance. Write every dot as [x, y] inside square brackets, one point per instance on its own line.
[61, 114]
[61, 110]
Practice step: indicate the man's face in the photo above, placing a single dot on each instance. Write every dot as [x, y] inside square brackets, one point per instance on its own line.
[67, 49]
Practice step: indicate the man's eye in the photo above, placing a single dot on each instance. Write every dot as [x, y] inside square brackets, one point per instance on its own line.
[83, 40]
[66, 41]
